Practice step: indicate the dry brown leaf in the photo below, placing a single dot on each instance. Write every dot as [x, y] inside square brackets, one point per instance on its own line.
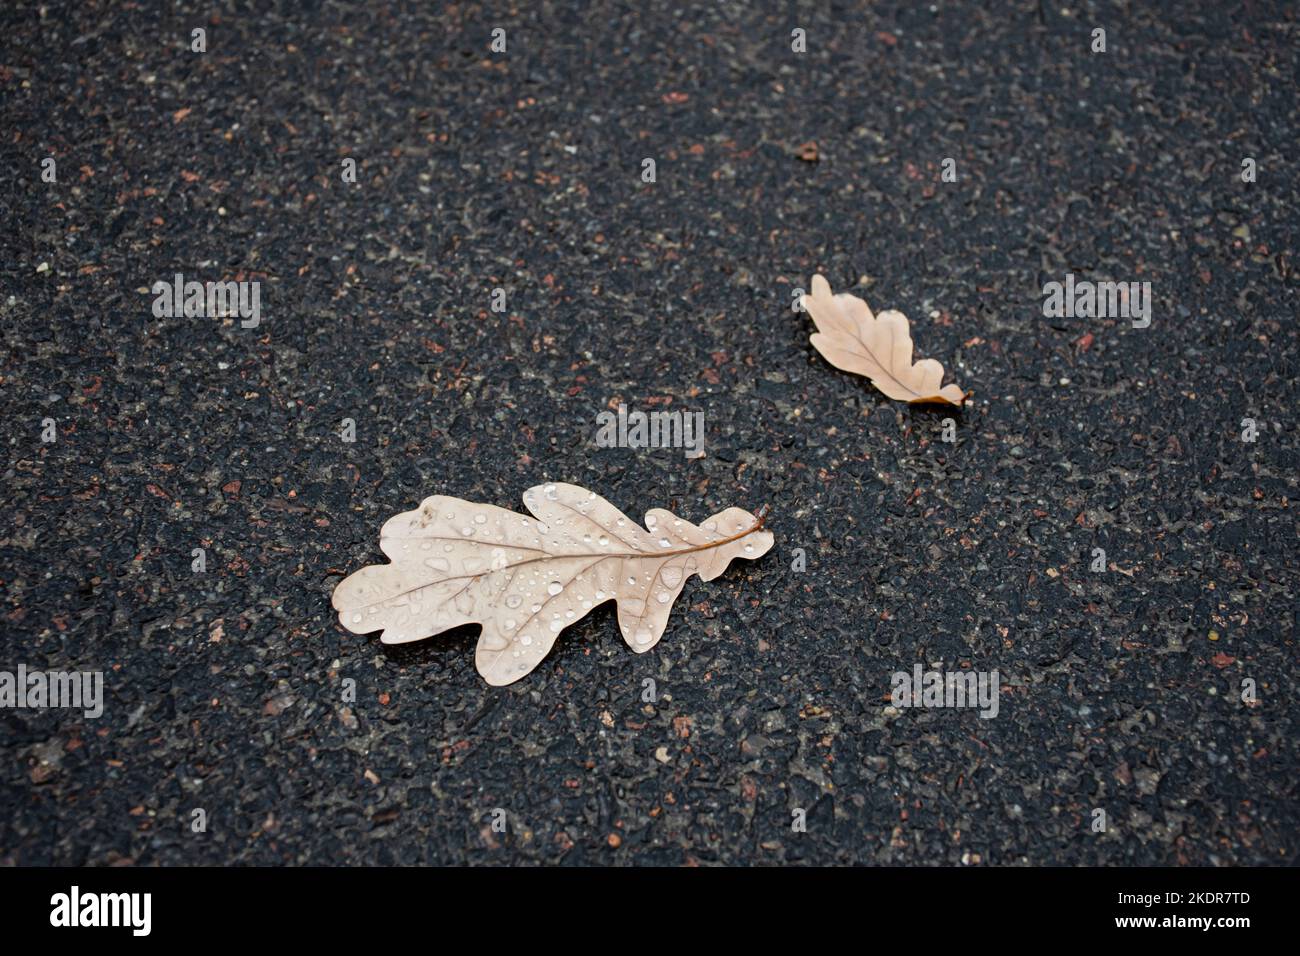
[525, 579]
[877, 346]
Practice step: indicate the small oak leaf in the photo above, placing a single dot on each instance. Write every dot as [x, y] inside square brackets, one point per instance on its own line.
[851, 338]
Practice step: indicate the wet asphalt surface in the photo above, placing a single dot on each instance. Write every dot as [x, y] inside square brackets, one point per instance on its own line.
[1121, 691]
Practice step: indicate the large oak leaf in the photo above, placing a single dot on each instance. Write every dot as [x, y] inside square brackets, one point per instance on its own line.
[525, 579]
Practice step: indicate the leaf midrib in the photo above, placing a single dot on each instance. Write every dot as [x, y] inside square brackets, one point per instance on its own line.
[548, 556]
